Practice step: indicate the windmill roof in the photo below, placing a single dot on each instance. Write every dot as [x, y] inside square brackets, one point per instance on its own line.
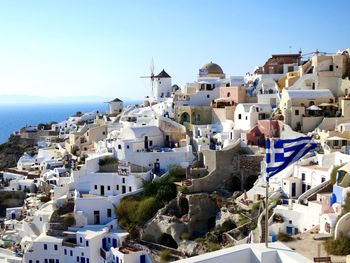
[163, 74]
[116, 100]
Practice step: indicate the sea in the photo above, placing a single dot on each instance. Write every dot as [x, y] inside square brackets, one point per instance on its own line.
[15, 116]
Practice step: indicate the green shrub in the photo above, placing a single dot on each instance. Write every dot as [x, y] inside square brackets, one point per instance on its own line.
[165, 255]
[284, 237]
[228, 225]
[45, 198]
[69, 220]
[339, 246]
[213, 246]
[146, 209]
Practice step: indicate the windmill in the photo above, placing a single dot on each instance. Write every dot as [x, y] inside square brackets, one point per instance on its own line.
[151, 77]
[316, 53]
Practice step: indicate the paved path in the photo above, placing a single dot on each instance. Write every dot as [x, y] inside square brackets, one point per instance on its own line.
[307, 246]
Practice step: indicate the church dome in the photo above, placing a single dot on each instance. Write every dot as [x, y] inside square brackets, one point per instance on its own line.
[211, 70]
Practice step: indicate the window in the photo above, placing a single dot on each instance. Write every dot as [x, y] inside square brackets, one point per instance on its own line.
[123, 180]
[117, 186]
[130, 189]
[95, 186]
[81, 240]
[290, 221]
[77, 259]
[104, 133]
[65, 251]
[37, 261]
[46, 261]
[87, 243]
[239, 116]
[296, 112]
[57, 261]
[87, 260]
[71, 253]
[303, 176]
[127, 147]
[208, 96]
[109, 212]
[108, 187]
[45, 246]
[55, 247]
[150, 143]
[331, 67]
[30, 261]
[246, 118]
[119, 147]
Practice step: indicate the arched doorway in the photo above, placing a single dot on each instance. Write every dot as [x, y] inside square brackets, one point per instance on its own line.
[249, 182]
[167, 240]
[185, 117]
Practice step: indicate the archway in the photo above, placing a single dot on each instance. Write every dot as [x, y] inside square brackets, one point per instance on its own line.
[185, 117]
[234, 184]
[249, 182]
[167, 240]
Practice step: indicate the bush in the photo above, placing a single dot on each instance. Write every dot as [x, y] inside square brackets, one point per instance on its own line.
[165, 255]
[228, 225]
[69, 220]
[107, 160]
[146, 209]
[45, 198]
[284, 237]
[339, 246]
[213, 246]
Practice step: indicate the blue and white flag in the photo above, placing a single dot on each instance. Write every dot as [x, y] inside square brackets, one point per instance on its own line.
[281, 153]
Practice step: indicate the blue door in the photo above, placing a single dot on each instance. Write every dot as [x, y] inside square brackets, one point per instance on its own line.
[116, 259]
[13, 216]
[114, 243]
[82, 260]
[104, 244]
[142, 259]
[289, 230]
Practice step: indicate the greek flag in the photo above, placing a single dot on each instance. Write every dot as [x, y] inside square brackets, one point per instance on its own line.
[281, 153]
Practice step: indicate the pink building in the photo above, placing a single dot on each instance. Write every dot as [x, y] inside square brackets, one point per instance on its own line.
[234, 94]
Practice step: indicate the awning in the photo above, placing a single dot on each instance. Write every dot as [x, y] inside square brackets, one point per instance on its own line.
[313, 107]
[328, 105]
[336, 138]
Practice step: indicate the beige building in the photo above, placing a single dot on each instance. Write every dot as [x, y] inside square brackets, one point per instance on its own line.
[193, 115]
[305, 109]
[85, 138]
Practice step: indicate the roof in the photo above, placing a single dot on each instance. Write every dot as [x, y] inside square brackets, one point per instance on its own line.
[163, 74]
[286, 55]
[116, 100]
[211, 68]
[309, 94]
[48, 239]
[132, 133]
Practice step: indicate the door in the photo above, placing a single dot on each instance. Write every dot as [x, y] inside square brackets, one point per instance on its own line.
[96, 217]
[156, 167]
[142, 259]
[114, 242]
[293, 189]
[104, 244]
[123, 189]
[102, 190]
[82, 260]
[146, 142]
[289, 230]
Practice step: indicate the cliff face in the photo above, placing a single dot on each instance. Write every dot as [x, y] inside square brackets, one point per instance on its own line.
[12, 150]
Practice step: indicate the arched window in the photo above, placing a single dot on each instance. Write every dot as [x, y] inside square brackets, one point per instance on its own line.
[228, 94]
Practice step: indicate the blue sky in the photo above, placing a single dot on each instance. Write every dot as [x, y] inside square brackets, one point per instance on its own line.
[100, 48]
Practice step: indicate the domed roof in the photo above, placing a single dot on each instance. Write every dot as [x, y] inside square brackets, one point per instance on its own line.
[212, 68]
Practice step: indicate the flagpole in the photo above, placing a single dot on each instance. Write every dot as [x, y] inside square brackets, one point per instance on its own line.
[267, 213]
